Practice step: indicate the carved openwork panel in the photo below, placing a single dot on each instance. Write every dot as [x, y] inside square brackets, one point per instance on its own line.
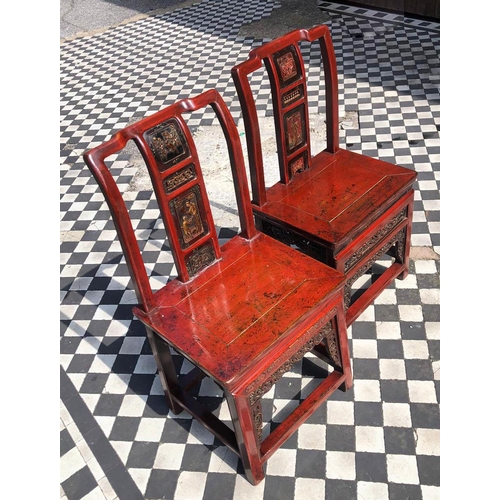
[323, 328]
[398, 239]
[287, 66]
[168, 144]
[374, 240]
[179, 178]
[293, 239]
[190, 216]
[200, 258]
[295, 128]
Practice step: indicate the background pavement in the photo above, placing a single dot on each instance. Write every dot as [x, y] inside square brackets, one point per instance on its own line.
[85, 17]
[79, 17]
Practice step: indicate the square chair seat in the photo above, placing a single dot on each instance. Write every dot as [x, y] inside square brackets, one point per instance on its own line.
[338, 197]
[238, 312]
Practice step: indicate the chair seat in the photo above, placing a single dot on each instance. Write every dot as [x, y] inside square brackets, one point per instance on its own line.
[244, 307]
[338, 197]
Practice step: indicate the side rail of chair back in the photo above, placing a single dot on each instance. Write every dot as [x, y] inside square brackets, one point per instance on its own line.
[169, 152]
[285, 67]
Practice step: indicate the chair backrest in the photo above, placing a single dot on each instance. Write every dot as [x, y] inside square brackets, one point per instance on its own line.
[169, 152]
[285, 67]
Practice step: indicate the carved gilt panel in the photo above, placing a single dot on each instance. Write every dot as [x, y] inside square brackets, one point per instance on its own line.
[168, 144]
[200, 258]
[297, 165]
[190, 216]
[295, 129]
[292, 95]
[179, 178]
[287, 66]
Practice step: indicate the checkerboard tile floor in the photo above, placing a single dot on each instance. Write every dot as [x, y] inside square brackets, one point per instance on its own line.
[118, 439]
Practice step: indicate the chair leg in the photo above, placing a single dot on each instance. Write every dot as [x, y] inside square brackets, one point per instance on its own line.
[166, 369]
[344, 350]
[247, 422]
[347, 296]
[338, 348]
[403, 252]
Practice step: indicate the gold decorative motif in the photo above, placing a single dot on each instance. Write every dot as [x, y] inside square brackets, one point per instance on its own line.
[187, 211]
[365, 248]
[287, 66]
[200, 258]
[292, 96]
[167, 143]
[332, 345]
[398, 240]
[179, 178]
[293, 128]
[294, 353]
[297, 166]
[257, 420]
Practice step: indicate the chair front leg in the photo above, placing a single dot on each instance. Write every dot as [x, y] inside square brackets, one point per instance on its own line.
[166, 369]
[247, 422]
[403, 251]
[338, 348]
[404, 243]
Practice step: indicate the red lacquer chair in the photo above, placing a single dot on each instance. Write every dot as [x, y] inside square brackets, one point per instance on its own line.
[242, 313]
[343, 208]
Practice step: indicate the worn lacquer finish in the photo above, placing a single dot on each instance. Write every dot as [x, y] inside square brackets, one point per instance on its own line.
[246, 307]
[324, 202]
[242, 313]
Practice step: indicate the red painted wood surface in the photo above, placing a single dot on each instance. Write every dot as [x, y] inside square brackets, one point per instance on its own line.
[242, 313]
[227, 321]
[338, 197]
[323, 203]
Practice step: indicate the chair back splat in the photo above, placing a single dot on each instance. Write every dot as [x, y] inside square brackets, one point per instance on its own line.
[345, 209]
[287, 74]
[173, 165]
[242, 313]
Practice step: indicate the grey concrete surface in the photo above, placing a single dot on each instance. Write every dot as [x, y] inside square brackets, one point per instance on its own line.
[85, 17]
[287, 16]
